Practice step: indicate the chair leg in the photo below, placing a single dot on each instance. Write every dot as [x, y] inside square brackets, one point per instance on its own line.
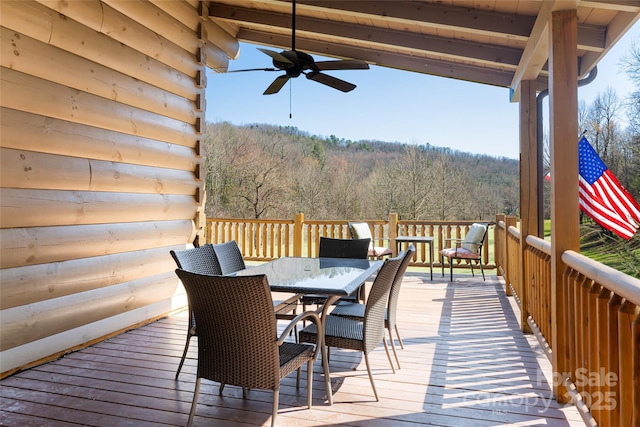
[442, 264]
[220, 389]
[309, 383]
[471, 264]
[184, 354]
[482, 270]
[373, 386]
[386, 350]
[398, 335]
[393, 347]
[276, 398]
[194, 403]
[451, 269]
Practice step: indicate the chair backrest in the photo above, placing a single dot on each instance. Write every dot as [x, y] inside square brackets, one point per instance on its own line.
[237, 329]
[394, 294]
[373, 329]
[474, 238]
[360, 230]
[201, 260]
[343, 248]
[229, 257]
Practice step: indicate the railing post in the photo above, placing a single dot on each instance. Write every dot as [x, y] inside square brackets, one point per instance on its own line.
[298, 223]
[498, 246]
[509, 221]
[393, 231]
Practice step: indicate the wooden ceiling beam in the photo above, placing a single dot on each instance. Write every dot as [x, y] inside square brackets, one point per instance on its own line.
[434, 15]
[382, 38]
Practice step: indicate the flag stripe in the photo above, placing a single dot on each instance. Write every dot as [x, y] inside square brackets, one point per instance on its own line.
[602, 197]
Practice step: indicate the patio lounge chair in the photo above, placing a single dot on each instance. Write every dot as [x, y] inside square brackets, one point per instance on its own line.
[238, 341]
[361, 230]
[469, 248]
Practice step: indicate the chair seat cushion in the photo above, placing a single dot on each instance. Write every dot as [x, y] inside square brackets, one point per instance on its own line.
[459, 253]
[290, 354]
[352, 310]
[379, 251]
[339, 332]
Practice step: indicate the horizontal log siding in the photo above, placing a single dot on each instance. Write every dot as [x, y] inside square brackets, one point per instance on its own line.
[101, 115]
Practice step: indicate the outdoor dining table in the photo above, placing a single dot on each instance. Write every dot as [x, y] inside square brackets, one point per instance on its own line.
[333, 277]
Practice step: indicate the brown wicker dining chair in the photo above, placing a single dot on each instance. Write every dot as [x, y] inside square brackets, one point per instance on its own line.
[201, 260]
[231, 260]
[363, 335]
[356, 311]
[229, 257]
[338, 248]
[238, 341]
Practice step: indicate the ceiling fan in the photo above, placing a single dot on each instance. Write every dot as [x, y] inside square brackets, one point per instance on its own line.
[294, 63]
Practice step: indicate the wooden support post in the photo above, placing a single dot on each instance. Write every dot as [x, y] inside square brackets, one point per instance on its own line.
[510, 221]
[393, 231]
[528, 188]
[297, 234]
[498, 246]
[563, 113]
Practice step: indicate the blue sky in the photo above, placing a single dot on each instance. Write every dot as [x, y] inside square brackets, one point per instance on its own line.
[389, 105]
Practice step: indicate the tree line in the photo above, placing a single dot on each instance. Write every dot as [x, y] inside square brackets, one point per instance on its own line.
[265, 171]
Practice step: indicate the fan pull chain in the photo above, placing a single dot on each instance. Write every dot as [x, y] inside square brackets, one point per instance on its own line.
[290, 84]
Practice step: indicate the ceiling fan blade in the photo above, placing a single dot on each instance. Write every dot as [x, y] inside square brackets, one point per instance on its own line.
[276, 55]
[346, 64]
[331, 81]
[276, 85]
[252, 69]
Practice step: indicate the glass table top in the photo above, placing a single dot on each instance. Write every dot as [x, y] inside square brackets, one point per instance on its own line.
[329, 276]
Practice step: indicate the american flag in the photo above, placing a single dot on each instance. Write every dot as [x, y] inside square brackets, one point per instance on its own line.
[602, 197]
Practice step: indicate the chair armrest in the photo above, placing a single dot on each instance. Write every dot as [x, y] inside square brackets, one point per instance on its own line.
[310, 315]
[286, 305]
[456, 240]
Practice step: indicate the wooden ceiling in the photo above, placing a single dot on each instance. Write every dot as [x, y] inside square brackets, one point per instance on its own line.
[495, 42]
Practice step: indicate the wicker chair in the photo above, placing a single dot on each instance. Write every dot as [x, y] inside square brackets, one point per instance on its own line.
[231, 260]
[338, 248]
[229, 257]
[237, 336]
[363, 335]
[201, 260]
[356, 311]
[469, 248]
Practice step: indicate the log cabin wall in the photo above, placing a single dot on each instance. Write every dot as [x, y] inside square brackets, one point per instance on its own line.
[102, 109]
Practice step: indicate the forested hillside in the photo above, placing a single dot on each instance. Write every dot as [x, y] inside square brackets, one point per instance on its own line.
[264, 171]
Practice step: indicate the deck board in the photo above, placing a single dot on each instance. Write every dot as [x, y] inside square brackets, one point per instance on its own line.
[464, 363]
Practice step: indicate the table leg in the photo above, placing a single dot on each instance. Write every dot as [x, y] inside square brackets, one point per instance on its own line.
[431, 258]
[323, 349]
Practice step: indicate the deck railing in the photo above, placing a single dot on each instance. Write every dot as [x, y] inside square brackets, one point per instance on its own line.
[597, 320]
[267, 239]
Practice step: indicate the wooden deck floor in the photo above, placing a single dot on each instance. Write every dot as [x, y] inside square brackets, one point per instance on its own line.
[465, 363]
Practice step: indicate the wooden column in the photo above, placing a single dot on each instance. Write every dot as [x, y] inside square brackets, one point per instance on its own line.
[297, 234]
[528, 186]
[563, 113]
[393, 231]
